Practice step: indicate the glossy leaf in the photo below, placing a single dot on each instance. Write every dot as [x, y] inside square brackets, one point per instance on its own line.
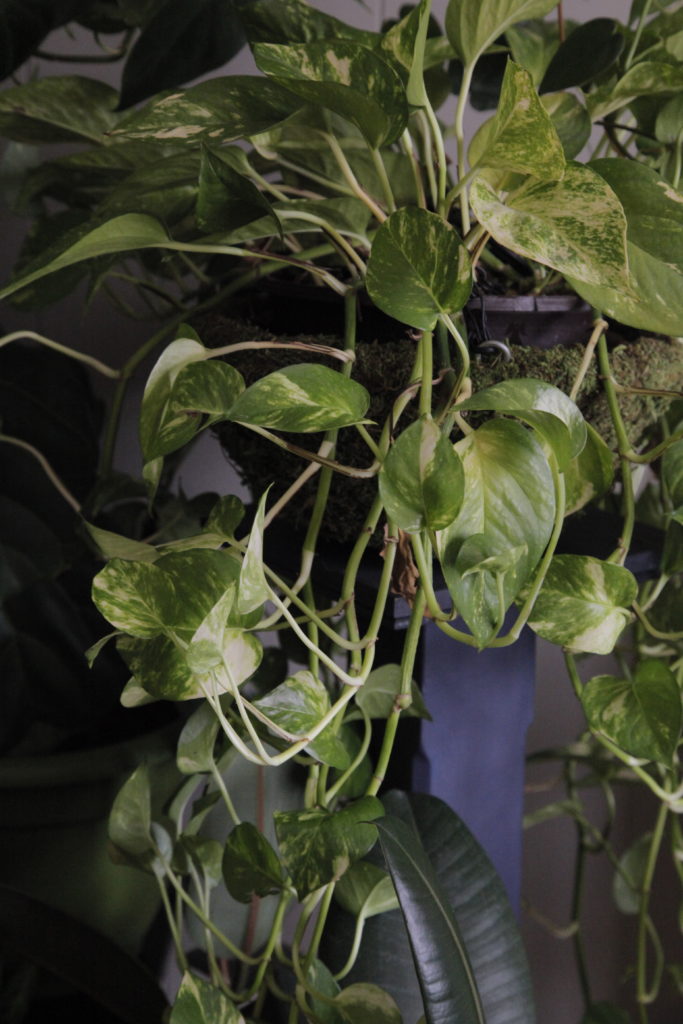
[653, 208]
[227, 199]
[405, 42]
[364, 1003]
[136, 597]
[447, 980]
[294, 21]
[296, 706]
[418, 268]
[421, 480]
[532, 45]
[584, 603]
[348, 216]
[115, 545]
[670, 120]
[575, 225]
[201, 1002]
[504, 468]
[473, 25]
[641, 715]
[366, 890]
[627, 887]
[653, 301]
[379, 691]
[163, 188]
[225, 516]
[197, 741]
[218, 110]
[343, 77]
[542, 406]
[593, 46]
[304, 398]
[672, 476]
[67, 108]
[250, 864]
[523, 137]
[590, 474]
[318, 846]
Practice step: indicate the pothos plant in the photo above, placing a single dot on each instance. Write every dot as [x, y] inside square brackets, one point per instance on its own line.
[332, 166]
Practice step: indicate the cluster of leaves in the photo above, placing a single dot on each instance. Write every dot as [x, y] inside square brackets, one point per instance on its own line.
[332, 165]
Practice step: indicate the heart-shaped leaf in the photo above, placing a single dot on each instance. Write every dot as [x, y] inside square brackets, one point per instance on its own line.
[318, 846]
[418, 268]
[250, 864]
[590, 474]
[583, 603]
[366, 890]
[575, 225]
[297, 705]
[473, 25]
[304, 398]
[136, 597]
[227, 199]
[641, 715]
[629, 880]
[344, 77]
[594, 44]
[421, 481]
[197, 741]
[201, 1002]
[379, 691]
[504, 467]
[364, 1003]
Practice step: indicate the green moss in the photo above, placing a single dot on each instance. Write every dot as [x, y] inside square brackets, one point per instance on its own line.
[384, 369]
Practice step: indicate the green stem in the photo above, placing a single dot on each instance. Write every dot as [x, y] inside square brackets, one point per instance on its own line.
[577, 896]
[351, 179]
[355, 949]
[467, 72]
[427, 369]
[47, 469]
[320, 922]
[599, 327]
[222, 788]
[81, 357]
[658, 634]
[172, 926]
[624, 446]
[423, 567]
[408, 148]
[441, 160]
[330, 794]
[383, 179]
[410, 643]
[643, 994]
[637, 34]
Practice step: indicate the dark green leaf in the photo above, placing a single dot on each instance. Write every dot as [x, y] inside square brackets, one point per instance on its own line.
[570, 119]
[672, 475]
[364, 1003]
[379, 691]
[627, 887]
[421, 480]
[180, 42]
[366, 890]
[590, 474]
[165, 189]
[69, 108]
[641, 715]
[228, 200]
[130, 820]
[250, 864]
[304, 398]
[418, 268]
[646, 78]
[225, 516]
[589, 50]
[318, 846]
[343, 77]
[532, 45]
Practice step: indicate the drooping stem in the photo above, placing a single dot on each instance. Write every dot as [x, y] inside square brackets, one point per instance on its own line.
[624, 446]
[47, 469]
[644, 994]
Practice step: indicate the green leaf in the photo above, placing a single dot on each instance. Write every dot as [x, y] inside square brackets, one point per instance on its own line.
[253, 589]
[575, 225]
[250, 864]
[653, 208]
[318, 846]
[321, 981]
[473, 25]
[165, 189]
[447, 980]
[542, 406]
[504, 468]
[627, 886]
[570, 120]
[348, 216]
[364, 1003]
[532, 45]
[366, 890]
[343, 77]
[590, 474]
[646, 78]
[405, 43]
[296, 706]
[672, 476]
[605, 1013]
[130, 819]
[179, 43]
[293, 21]
[201, 1002]
[670, 120]
[418, 268]
[304, 398]
[421, 480]
[583, 603]
[67, 108]
[115, 545]
[136, 597]
[591, 48]
[197, 741]
[523, 137]
[641, 715]
[227, 200]
[379, 691]
[218, 110]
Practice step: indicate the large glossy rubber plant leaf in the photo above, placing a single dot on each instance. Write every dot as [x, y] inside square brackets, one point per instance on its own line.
[467, 887]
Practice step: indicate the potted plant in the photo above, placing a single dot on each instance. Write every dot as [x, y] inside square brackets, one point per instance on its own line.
[345, 182]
